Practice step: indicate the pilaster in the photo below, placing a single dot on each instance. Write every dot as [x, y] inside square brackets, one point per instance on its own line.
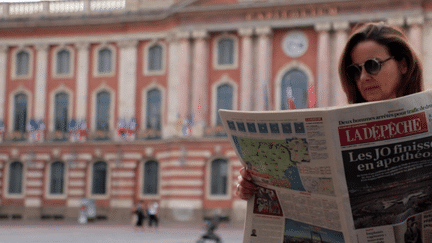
[200, 82]
[262, 95]
[323, 80]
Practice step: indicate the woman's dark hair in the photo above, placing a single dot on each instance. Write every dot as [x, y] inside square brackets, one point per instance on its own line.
[397, 44]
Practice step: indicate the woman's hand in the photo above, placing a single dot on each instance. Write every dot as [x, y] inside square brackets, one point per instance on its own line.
[245, 188]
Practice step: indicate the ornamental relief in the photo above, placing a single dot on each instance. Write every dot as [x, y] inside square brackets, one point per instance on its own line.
[290, 14]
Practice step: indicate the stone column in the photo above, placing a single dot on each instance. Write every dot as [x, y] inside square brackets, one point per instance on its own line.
[323, 79]
[200, 82]
[184, 74]
[127, 79]
[41, 79]
[338, 94]
[262, 88]
[427, 58]
[3, 66]
[415, 34]
[246, 71]
[82, 81]
[173, 85]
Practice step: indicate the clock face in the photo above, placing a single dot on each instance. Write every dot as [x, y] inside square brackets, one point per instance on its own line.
[295, 44]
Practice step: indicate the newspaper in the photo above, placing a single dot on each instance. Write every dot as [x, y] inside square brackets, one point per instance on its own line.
[357, 173]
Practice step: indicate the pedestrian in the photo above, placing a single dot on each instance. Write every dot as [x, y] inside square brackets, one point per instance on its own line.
[153, 214]
[139, 215]
[376, 64]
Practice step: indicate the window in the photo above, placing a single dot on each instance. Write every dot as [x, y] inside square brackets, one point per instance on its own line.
[104, 60]
[63, 62]
[151, 170]
[20, 116]
[99, 178]
[294, 81]
[103, 100]
[22, 63]
[224, 95]
[219, 177]
[154, 109]
[155, 58]
[226, 51]
[57, 178]
[15, 178]
[61, 112]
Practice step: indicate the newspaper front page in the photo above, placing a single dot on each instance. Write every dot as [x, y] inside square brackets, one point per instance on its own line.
[358, 173]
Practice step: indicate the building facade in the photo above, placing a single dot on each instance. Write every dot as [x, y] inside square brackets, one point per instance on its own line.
[116, 100]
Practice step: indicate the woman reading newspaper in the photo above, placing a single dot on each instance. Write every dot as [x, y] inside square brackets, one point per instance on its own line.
[376, 64]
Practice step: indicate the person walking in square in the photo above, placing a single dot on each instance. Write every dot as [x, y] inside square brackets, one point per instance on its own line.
[153, 214]
[140, 215]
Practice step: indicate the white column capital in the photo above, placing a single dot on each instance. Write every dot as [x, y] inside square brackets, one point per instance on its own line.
[245, 31]
[183, 34]
[200, 34]
[397, 21]
[42, 46]
[129, 43]
[344, 25]
[263, 30]
[4, 48]
[82, 45]
[411, 20]
[323, 26]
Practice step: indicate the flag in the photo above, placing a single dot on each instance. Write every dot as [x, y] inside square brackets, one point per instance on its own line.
[290, 98]
[2, 127]
[131, 126]
[41, 125]
[82, 128]
[71, 125]
[33, 125]
[312, 96]
[121, 124]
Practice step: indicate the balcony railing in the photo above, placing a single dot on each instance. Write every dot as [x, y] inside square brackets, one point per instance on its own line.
[78, 7]
[216, 131]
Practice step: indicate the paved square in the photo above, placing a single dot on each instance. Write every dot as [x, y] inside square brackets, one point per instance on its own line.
[52, 231]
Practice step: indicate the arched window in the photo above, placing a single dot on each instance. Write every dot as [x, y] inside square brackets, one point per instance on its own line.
[104, 60]
[63, 62]
[219, 177]
[99, 178]
[15, 178]
[154, 106]
[57, 177]
[224, 95]
[294, 81]
[155, 58]
[20, 116]
[103, 100]
[151, 171]
[61, 112]
[225, 51]
[22, 63]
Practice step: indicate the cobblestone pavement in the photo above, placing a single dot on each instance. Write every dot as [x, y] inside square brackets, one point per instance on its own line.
[61, 232]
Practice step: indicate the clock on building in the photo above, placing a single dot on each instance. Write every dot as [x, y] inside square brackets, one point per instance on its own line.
[295, 44]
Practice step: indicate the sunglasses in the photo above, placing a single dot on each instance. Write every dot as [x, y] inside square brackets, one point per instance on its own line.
[371, 66]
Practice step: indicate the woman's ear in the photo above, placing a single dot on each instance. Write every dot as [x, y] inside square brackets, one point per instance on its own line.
[403, 66]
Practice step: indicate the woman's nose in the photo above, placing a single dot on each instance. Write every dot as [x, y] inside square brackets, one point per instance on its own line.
[363, 74]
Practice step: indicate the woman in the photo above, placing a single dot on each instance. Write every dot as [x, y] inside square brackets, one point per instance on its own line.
[376, 64]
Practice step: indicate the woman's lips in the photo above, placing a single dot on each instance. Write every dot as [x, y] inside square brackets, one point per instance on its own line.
[370, 88]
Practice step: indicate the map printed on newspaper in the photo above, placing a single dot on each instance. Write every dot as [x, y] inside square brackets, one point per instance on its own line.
[358, 173]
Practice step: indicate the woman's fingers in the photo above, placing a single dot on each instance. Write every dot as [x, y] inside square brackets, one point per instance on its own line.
[245, 188]
[245, 174]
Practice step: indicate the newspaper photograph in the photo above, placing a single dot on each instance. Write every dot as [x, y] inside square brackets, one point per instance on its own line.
[358, 173]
